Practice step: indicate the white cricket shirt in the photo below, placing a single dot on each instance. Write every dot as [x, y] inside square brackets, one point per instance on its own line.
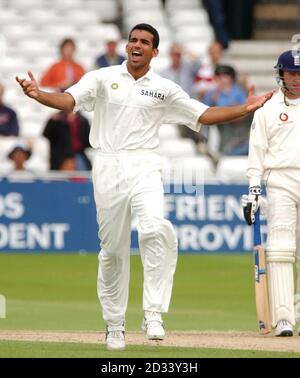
[129, 112]
[274, 138]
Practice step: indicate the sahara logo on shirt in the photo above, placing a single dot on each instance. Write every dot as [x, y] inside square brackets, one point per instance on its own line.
[153, 94]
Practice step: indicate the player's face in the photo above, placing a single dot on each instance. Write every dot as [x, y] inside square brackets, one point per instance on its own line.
[176, 56]
[140, 49]
[292, 82]
[19, 157]
[224, 81]
[68, 51]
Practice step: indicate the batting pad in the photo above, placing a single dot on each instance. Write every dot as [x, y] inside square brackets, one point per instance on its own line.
[281, 292]
[281, 244]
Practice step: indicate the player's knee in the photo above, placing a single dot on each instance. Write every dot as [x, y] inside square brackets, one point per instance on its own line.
[115, 247]
[281, 245]
[158, 229]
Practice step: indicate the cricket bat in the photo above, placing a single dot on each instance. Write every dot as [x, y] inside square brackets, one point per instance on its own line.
[261, 285]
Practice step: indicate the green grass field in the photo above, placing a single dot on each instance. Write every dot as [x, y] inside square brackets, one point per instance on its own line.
[20, 349]
[58, 292]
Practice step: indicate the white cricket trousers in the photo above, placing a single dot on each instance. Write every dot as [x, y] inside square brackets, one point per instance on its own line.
[126, 182]
[283, 192]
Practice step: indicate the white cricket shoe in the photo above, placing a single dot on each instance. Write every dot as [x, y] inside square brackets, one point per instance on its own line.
[115, 337]
[153, 325]
[284, 328]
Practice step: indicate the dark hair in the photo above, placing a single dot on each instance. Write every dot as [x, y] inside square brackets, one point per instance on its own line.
[226, 70]
[65, 42]
[149, 29]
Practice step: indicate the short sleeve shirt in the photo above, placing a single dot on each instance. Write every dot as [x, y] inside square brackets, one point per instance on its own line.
[129, 112]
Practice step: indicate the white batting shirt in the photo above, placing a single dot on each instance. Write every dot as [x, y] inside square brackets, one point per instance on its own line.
[274, 138]
[129, 112]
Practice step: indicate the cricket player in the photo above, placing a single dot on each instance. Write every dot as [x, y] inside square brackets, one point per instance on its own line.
[130, 102]
[274, 157]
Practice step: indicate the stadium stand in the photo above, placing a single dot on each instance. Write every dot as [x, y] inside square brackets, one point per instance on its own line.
[169, 131]
[178, 148]
[183, 4]
[39, 161]
[232, 169]
[109, 10]
[193, 169]
[33, 46]
[256, 60]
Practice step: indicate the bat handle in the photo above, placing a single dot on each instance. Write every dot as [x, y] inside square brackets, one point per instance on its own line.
[257, 233]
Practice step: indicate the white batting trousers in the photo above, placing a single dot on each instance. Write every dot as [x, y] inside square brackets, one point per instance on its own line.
[283, 217]
[126, 182]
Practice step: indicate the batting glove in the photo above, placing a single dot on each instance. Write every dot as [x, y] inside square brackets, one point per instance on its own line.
[251, 203]
[263, 204]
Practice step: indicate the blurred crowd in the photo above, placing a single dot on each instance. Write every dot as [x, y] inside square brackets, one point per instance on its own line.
[207, 79]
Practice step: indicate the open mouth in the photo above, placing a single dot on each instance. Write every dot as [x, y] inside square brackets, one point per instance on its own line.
[136, 54]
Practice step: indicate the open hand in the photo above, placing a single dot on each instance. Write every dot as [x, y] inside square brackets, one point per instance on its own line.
[256, 102]
[30, 87]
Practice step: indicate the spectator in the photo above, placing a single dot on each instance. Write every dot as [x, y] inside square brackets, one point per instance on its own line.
[205, 78]
[111, 56]
[239, 17]
[68, 134]
[66, 72]
[9, 125]
[180, 71]
[19, 155]
[184, 74]
[68, 164]
[228, 93]
[216, 16]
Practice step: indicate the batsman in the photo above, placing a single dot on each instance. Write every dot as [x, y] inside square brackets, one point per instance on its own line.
[274, 158]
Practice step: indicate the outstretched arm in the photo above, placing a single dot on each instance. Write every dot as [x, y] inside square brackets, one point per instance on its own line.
[217, 115]
[61, 101]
